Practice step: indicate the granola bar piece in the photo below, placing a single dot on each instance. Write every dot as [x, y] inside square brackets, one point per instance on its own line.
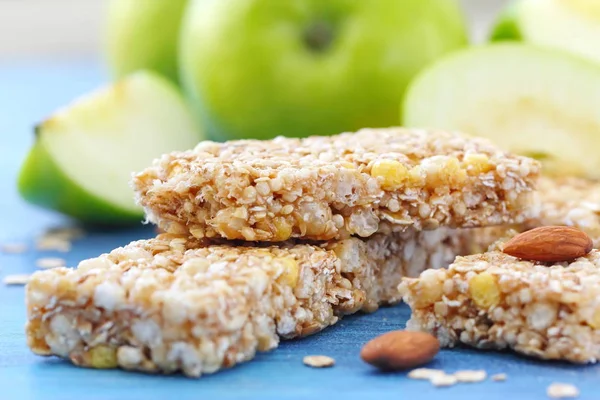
[167, 304]
[568, 201]
[321, 188]
[495, 301]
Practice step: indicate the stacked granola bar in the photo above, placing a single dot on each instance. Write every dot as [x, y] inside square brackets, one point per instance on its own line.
[376, 205]
[324, 188]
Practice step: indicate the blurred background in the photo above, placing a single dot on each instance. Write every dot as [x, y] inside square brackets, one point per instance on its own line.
[74, 29]
[97, 77]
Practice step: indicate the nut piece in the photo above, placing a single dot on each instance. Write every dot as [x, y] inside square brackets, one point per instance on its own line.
[318, 361]
[400, 350]
[562, 391]
[550, 244]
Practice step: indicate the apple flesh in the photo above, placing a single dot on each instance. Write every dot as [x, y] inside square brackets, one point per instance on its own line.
[530, 100]
[570, 25]
[144, 35]
[83, 156]
[262, 68]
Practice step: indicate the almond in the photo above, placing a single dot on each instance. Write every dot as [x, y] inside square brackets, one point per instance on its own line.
[400, 350]
[549, 244]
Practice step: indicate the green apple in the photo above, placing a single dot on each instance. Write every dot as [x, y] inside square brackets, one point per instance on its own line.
[530, 100]
[83, 156]
[144, 34]
[262, 68]
[571, 25]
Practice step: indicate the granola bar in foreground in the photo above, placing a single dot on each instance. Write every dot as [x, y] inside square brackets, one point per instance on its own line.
[495, 301]
[321, 188]
[167, 304]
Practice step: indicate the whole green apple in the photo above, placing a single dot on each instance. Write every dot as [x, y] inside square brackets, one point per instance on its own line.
[144, 34]
[262, 68]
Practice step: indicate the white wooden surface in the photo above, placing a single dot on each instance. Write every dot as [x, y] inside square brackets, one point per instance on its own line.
[63, 29]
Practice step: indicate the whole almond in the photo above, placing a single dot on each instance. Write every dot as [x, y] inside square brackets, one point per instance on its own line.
[400, 350]
[549, 244]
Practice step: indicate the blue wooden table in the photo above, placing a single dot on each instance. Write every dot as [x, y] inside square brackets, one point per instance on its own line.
[27, 94]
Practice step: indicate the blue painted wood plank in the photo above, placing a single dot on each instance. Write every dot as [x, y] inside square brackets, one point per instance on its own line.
[29, 92]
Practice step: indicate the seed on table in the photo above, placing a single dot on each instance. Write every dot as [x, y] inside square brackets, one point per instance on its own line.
[13, 248]
[562, 391]
[53, 243]
[499, 377]
[470, 376]
[443, 380]
[425, 373]
[66, 233]
[16, 279]
[318, 361]
[50, 262]
[398, 350]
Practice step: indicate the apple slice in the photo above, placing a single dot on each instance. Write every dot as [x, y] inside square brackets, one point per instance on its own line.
[529, 100]
[83, 156]
[572, 25]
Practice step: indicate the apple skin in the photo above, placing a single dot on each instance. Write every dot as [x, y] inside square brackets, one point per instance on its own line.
[507, 25]
[144, 34]
[42, 183]
[263, 68]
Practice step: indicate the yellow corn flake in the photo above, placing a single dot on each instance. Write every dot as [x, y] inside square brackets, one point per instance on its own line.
[595, 321]
[103, 357]
[291, 273]
[453, 174]
[443, 171]
[416, 176]
[476, 164]
[484, 290]
[283, 228]
[391, 173]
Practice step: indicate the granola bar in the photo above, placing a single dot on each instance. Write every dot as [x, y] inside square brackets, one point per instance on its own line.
[569, 201]
[495, 301]
[566, 201]
[167, 304]
[321, 188]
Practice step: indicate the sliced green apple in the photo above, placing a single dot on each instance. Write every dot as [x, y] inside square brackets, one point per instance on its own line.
[83, 157]
[571, 25]
[530, 100]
